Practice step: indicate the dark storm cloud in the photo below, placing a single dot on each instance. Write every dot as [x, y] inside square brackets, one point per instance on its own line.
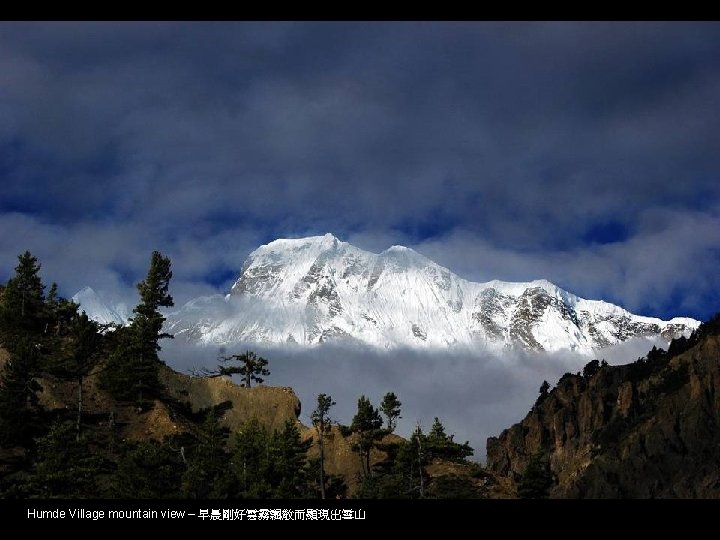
[499, 149]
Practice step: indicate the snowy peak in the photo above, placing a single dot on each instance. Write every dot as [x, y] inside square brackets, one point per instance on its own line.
[312, 245]
[309, 291]
[98, 310]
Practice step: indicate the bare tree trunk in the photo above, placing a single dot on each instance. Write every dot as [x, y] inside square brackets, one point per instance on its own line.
[420, 469]
[140, 382]
[247, 378]
[361, 454]
[245, 475]
[79, 411]
[321, 436]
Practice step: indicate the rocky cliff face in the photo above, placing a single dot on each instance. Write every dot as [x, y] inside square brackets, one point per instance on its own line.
[647, 429]
[272, 406]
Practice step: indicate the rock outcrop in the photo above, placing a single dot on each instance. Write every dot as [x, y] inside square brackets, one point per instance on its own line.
[271, 405]
[647, 429]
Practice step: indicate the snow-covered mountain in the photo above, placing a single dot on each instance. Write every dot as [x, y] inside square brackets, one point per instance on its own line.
[98, 310]
[314, 290]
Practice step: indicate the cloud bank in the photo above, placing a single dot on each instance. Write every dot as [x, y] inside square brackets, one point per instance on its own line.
[585, 153]
[475, 397]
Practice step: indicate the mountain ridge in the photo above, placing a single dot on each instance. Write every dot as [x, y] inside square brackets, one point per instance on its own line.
[97, 309]
[648, 429]
[314, 290]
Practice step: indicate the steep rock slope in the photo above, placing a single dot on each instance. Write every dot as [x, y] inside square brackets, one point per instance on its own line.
[271, 405]
[647, 429]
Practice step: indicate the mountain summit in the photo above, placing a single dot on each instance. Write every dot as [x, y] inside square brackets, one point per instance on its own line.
[97, 309]
[315, 290]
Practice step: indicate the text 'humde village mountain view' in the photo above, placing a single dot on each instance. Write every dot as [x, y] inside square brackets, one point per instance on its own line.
[399, 260]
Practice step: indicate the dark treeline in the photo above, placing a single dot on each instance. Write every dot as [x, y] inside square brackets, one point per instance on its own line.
[77, 451]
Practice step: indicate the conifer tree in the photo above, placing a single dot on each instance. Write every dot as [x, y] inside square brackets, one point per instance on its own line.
[23, 306]
[79, 356]
[270, 465]
[132, 369]
[544, 393]
[149, 470]
[441, 445]
[58, 312]
[288, 458]
[367, 423]
[321, 421]
[335, 486]
[18, 394]
[206, 476]
[437, 433]
[66, 467]
[416, 455]
[153, 295]
[590, 369]
[148, 321]
[250, 459]
[250, 369]
[51, 306]
[390, 407]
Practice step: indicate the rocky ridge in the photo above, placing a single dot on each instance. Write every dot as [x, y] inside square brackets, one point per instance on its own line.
[643, 430]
